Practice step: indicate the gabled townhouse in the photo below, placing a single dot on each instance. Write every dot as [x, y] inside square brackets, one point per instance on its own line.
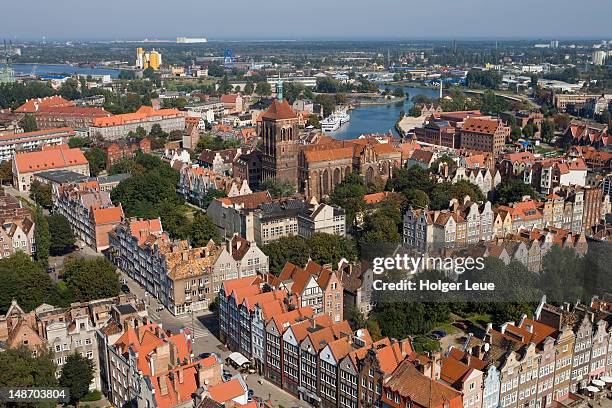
[17, 231]
[464, 379]
[545, 175]
[599, 349]
[226, 289]
[413, 385]
[275, 328]
[330, 359]
[582, 327]
[220, 161]
[141, 362]
[314, 285]
[490, 376]
[65, 331]
[486, 179]
[365, 369]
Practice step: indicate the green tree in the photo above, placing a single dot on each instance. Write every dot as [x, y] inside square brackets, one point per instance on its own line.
[512, 191]
[417, 198]
[79, 142]
[89, 279]
[249, 88]
[263, 88]
[77, 375]
[415, 111]
[40, 193]
[29, 123]
[26, 282]
[330, 249]
[225, 86]
[19, 367]
[278, 188]
[6, 172]
[349, 195]
[211, 194]
[548, 131]
[313, 120]
[42, 237]
[292, 249]
[62, 238]
[97, 160]
[203, 230]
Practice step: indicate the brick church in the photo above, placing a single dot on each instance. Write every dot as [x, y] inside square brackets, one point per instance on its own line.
[315, 169]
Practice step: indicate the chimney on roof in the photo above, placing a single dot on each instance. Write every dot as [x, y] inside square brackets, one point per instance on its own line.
[180, 375]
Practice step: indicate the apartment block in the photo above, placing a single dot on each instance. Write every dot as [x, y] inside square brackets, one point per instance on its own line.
[484, 135]
[89, 210]
[31, 141]
[258, 218]
[182, 278]
[118, 126]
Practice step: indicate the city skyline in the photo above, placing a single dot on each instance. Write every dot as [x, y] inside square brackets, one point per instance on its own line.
[275, 20]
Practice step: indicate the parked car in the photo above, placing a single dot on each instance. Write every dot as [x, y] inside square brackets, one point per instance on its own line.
[125, 289]
[461, 324]
[250, 395]
[439, 333]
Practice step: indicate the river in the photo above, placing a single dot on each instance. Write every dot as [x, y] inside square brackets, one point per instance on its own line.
[379, 118]
[50, 69]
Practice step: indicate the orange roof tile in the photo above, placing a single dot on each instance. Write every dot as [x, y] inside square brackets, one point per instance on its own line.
[478, 125]
[375, 197]
[279, 110]
[141, 114]
[33, 105]
[108, 215]
[49, 158]
[226, 391]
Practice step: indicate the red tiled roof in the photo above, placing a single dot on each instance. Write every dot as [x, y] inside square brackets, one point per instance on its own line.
[141, 229]
[231, 98]
[33, 105]
[411, 384]
[226, 391]
[477, 125]
[51, 157]
[279, 110]
[141, 114]
[108, 215]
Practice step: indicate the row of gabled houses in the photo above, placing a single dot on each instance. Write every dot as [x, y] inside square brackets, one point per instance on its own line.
[288, 329]
[539, 361]
[65, 331]
[575, 209]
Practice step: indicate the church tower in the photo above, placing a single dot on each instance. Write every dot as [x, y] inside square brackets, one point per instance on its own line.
[279, 134]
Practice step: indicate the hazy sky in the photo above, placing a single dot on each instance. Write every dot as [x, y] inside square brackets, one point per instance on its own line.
[305, 19]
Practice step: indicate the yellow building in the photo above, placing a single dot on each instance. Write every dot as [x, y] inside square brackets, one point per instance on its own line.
[155, 59]
[148, 59]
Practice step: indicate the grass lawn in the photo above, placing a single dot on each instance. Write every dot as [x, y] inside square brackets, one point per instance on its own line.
[480, 320]
[447, 327]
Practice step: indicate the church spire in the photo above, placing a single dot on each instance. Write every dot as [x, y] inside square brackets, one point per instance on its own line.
[279, 89]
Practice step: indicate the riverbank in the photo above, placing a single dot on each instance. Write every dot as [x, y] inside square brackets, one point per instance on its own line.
[391, 101]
